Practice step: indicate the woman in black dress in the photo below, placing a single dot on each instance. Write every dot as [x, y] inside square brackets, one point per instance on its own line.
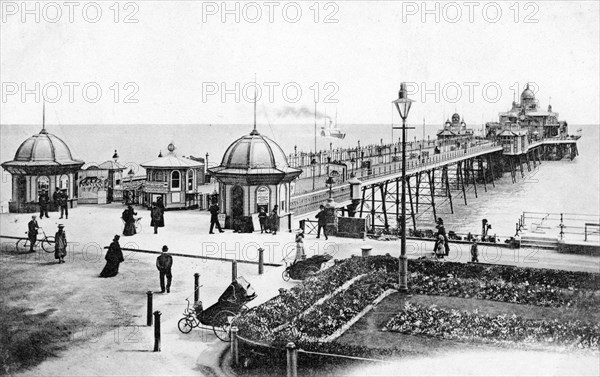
[114, 257]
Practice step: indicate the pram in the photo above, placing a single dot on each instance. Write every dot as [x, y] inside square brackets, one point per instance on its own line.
[300, 270]
[220, 315]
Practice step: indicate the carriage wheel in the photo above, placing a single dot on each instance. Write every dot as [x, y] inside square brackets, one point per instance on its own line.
[285, 275]
[185, 325]
[48, 244]
[222, 322]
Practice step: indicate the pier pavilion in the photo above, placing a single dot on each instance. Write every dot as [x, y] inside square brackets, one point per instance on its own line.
[254, 173]
[42, 163]
[175, 179]
[101, 183]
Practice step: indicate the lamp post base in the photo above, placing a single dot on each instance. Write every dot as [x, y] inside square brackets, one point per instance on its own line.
[403, 277]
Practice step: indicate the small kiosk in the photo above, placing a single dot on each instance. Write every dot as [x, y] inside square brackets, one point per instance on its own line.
[175, 179]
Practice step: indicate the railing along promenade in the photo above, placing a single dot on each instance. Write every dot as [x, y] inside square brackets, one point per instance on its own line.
[310, 200]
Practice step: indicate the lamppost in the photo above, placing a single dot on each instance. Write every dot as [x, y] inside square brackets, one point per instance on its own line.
[403, 104]
[330, 181]
[130, 174]
[313, 164]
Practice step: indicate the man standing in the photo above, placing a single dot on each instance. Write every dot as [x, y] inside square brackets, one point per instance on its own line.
[157, 214]
[43, 200]
[262, 219]
[56, 197]
[64, 204]
[164, 262]
[32, 233]
[60, 244]
[214, 218]
[322, 222]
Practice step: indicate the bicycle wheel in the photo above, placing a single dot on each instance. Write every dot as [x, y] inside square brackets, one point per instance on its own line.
[48, 244]
[22, 245]
[285, 275]
[222, 323]
[185, 325]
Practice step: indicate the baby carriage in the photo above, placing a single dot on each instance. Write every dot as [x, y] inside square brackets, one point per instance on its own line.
[300, 270]
[220, 315]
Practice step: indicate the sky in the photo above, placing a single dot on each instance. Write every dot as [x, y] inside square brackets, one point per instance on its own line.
[183, 62]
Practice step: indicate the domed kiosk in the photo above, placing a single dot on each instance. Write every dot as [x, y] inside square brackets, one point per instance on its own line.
[42, 163]
[254, 173]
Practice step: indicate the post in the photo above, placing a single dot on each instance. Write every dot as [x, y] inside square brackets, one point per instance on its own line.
[157, 331]
[233, 270]
[234, 346]
[149, 309]
[196, 287]
[292, 360]
[289, 216]
[261, 260]
[403, 259]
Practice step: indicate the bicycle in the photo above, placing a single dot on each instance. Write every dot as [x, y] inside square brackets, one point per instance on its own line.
[47, 243]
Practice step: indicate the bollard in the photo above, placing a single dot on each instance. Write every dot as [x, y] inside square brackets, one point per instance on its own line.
[149, 311]
[233, 270]
[366, 251]
[157, 331]
[261, 260]
[292, 360]
[196, 287]
[234, 346]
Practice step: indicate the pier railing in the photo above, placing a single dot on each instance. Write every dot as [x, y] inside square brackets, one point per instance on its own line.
[572, 226]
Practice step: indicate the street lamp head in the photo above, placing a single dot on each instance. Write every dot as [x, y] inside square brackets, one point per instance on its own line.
[313, 162]
[330, 181]
[403, 103]
[130, 173]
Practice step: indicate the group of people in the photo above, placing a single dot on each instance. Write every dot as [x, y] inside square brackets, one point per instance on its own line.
[441, 248]
[157, 218]
[60, 238]
[60, 199]
[114, 258]
[269, 223]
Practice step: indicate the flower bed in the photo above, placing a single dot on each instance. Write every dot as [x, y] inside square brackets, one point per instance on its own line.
[459, 325]
[500, 290]
[510, 274]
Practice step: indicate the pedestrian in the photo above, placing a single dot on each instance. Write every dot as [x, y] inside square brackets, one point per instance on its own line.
[262, 219]
[60, 244]
[128, 217]
[274, 219]
[321, 222]
[300, 254]
[156, 214]
[474, 252]
[43, 200]
[442, 232]
[56, 198]
[164, 262]
[63, 200]
[214, 218]
[161, 204]
[114, 257]
[32, 232]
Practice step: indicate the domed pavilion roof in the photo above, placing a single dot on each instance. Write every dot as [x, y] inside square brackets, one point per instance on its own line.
[43, 152]
[255, 158]
[527, 94]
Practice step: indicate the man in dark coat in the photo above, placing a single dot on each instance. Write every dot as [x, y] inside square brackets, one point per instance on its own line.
[60, 244]
[114, 257]
[156, 215]
[214, 218]
[56, 197]
[43, 200]
[63, 200]
[161, 204]
[322, 222]
[32, 232]
[274, 220]
[164, 262]
[262, 219]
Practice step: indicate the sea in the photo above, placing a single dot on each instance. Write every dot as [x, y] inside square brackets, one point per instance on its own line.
[554, 187]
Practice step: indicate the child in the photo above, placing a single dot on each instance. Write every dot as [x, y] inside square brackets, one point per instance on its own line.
[440, 249]
[300, 254]
[474, 252]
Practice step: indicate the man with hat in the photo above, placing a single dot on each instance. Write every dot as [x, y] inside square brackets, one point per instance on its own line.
[164, 262]
[32, 232]
[43, 200]
[60, 245]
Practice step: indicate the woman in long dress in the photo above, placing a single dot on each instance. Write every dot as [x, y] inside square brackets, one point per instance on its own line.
[60, 245]
[300, 254]
[114, 257]
[129, 219]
